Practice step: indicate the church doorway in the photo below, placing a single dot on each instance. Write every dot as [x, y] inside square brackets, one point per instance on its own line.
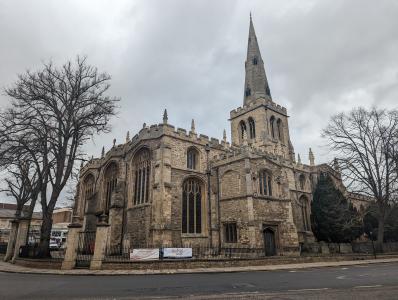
[269, 242]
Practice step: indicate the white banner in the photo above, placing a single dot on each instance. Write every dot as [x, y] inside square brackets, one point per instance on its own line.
[177, 252]
[144, 254]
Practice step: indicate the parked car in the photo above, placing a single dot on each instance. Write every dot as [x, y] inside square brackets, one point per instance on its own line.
[54, 245]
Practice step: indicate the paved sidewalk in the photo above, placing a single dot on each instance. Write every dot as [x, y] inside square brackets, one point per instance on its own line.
[12, 268]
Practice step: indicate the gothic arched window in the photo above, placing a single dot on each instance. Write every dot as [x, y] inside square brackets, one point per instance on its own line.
[255, 61]
[142, 170]
[265, 183]
[280, 129]
[272, 126]
[252, 128]
[243, 128]
[302, 181]
[304, 212]
[191, 206]
[110, 184]
[88, 186]
[192, 158]
[88, 190]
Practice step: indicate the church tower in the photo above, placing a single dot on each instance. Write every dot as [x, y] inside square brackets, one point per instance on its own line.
[260, 121]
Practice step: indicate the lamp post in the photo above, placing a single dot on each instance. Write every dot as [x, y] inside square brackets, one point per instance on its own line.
[208, 173]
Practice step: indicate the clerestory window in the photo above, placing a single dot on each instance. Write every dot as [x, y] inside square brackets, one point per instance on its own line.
[192, 158]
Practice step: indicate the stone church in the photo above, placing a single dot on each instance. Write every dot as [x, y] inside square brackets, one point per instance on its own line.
[169, 186]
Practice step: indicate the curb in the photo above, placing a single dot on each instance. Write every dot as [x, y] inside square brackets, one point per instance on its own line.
[9, 268]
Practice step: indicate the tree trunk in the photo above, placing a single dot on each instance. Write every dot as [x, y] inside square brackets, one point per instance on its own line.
[380, 234]
[45, 234]
[29, 215]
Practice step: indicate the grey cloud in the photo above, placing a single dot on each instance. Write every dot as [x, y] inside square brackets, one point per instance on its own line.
[188, 56]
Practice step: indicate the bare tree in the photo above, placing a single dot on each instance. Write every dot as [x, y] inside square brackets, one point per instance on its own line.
[365, 142]
[54, 111]
[22, 186]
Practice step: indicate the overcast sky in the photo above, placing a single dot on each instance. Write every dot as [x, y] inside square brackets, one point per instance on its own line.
[321, 57]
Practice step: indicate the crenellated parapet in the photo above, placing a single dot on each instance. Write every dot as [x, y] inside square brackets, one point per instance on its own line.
[260, 102]
[152, 132]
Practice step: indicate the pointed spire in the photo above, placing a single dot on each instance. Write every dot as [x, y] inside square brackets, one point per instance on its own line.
[224, 136]
[103, 152]
[128, 137]
[298, 159]
[256, 84]
[165, 117]
[114, 142]
[193, 126]
[311, 158]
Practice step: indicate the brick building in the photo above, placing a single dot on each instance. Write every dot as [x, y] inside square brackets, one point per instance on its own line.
[169, 185]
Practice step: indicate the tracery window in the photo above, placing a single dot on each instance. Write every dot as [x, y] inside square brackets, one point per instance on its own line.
[252, 128]
[88, 190]
[191, 206]
[110, 184]
[272, 126]
[280, 129]
[142, 170]
[243, 129]
[265, 183]
[192, 158]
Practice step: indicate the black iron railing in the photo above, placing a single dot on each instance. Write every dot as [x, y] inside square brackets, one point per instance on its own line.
[121, 253]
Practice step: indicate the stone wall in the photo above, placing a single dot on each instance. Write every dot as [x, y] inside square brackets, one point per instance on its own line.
[138, 225]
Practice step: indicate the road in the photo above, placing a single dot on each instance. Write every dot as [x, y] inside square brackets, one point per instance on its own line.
[376, 281]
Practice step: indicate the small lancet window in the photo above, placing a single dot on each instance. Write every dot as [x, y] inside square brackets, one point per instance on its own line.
[247, 91]
[252, 128]
[265, 183]
[231, 233]
[255, 61]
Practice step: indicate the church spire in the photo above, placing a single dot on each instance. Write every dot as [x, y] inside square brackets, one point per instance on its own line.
[256, 84]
